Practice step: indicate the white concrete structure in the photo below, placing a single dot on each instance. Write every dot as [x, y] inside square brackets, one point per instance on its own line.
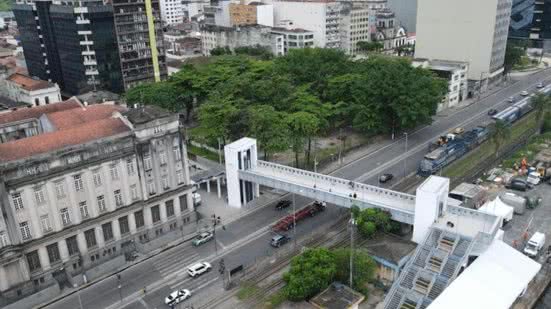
[321, 17]
[22, 88]
[470, 31]
[354, 27]
[218, 13]
[455, 73]
[240, 155]
[215, 36]
[434, 191]
[265, 15]
[294, 37]
[172, 11]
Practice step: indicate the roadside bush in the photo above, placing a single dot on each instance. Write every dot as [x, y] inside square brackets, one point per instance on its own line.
[363, 268]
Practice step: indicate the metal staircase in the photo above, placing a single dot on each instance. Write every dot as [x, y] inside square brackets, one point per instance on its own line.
[434, 265]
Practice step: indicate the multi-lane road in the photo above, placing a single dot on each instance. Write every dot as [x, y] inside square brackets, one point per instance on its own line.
[248, 238]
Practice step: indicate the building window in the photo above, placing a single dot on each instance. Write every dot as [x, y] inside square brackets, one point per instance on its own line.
[164, 182]
[169, 208]
[45, 223]
[83, 210]
[97, 178]
[123, 225]
[177, 153]
[151, 188]
[180, 176]
[162, 157]
[53, 253]
[155, 214]
[101, 203]
[72, 245]
[147, 161]
[39, 195]
[65, 217]
[78, 183]
[60, 189]
[36, 101]
[114, 172]
[90, 236]
[183, 203]
[3, 239]
[107, 231]
[118, 198]
[17, 200]
[33, 261]
[138, 217]
[47, 100]
[25, 230]
[130, 167]
[134, 192]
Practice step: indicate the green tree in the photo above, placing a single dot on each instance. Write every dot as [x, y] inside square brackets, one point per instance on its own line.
[546, 123]
[302, 127]
[216, 117]
[369, 47]
[262, 52]
[542, 104]
[513, 55]
[165, 95]
[363, 268]
[500, 132]
[269, 128]
[310, 273]
[372, 220]
[219, 51]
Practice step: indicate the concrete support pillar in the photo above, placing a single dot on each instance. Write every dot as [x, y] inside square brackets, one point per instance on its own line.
[116, 229]
[147, 217]
[208, 185]
[162, 211]
[3, 283]
[218, 188]
[43, 257]
[99, 237]
[81, 241]
[63, 251]
[132, 223]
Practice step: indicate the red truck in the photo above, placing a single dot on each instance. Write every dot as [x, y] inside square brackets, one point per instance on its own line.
[287, 223]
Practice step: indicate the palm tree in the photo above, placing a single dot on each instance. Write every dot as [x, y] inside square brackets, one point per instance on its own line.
[541, 104]
[500, 132]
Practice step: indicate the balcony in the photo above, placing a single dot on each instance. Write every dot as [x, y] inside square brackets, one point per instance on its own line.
[88, 53]
[79, 10]
[90, 62]
[91, 72]
[82, 21]
[85, 32]
[86, 43]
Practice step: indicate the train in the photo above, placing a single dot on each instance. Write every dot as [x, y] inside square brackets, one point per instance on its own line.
[514, 112]
[454, 149]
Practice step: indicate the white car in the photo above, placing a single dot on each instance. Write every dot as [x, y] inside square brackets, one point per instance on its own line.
[177, 297]
[198, 269]
[524, 93]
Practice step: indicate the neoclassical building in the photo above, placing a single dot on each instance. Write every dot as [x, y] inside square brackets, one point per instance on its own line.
[88, 184]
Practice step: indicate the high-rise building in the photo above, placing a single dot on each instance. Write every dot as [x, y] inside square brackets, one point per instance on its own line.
[531, 20]
[172, 11]
[254, 13]
[469, 31]
[82, 45]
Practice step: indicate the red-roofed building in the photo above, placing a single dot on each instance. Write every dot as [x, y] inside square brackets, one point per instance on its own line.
[36, 92]
[91, 184]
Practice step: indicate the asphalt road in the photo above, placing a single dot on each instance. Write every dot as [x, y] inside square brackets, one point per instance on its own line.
[247, 239]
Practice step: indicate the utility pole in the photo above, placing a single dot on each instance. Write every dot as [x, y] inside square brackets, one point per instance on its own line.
[352, 223]
[119, 285]
[78, 294]
[294, 224]
[219, 151]
[406, 156]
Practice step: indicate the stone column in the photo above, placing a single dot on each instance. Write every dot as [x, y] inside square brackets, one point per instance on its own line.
[116, 229]
[63, 250]
[132, 223]
[99, 237]
[208, 185]
[162, 212]
[3, 283]
[218, 187]
[43, 257]
[81, 241]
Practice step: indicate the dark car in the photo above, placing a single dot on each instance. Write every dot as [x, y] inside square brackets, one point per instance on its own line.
[518, 184]
[283, 204]
[279, 240]
[385, 178]
[492, 112]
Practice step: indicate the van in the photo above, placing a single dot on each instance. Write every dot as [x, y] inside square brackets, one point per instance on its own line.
[534, 245]
[516, 201]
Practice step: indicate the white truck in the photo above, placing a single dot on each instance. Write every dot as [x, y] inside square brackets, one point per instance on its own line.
[534, 245]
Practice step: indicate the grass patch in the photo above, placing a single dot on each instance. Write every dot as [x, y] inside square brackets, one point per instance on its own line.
[526, 63]
[464, 165]
[247, 290]
[5, 5]
[202, 152]
[275, 300]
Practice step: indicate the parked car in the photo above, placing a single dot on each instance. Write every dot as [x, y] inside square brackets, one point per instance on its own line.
[517, 184]
[279, 240]
[511, 100]
[202, 238]
[540, 85]
[492, 112]
[198, 269]
[283, 204]
[385, 177]
[177, 297]
[524, 93]
[459, 130]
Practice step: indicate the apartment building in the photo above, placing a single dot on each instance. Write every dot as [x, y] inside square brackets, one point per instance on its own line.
[253, 13]
[172, 11]
[294, 38]
[355, 27]
[233, 37]
[33, 91]
[531, 21]
[87, 45]
[89, 185]
[319, 16]
[466, 31]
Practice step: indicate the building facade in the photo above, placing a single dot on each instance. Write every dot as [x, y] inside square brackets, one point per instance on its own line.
[319, 16]
[83, 46]
[466, 31]
[294, 38]
[22, 88]
[100, 182]
[254, 13]
[531, 21]
[172, 11]
[214, 36]
[355, 27]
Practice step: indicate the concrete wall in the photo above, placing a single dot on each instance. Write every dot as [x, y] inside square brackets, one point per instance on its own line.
[265, 15]
[306, 15]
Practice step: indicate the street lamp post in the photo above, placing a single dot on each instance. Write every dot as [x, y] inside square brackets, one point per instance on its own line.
[406, 155]
[119, 285]
[294, 223]
[352, 224]
[215, 221]
[78, 295]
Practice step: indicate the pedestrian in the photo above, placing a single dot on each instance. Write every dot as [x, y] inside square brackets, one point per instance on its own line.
[144, 290]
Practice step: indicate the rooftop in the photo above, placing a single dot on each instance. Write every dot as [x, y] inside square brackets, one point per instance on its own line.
[295, 30]
[66, 119]
[337, 296]
[99, 96]
[43, 143]
[36, 112]
[145, 114]
[467, 222]
[7, 103]
[390, 248]
[29, 83]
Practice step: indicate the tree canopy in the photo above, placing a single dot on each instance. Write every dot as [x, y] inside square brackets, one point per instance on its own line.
[323, 88]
